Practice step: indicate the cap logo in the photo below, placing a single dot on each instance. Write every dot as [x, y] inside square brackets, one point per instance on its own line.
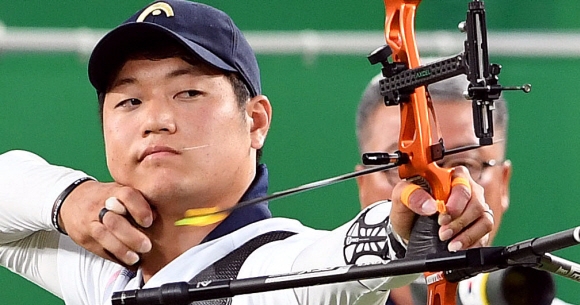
[156, 10]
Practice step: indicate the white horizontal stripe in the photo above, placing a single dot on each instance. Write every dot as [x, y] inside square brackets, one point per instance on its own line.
[309, 42]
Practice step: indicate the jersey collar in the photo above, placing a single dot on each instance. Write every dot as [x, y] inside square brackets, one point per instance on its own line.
[249, 214]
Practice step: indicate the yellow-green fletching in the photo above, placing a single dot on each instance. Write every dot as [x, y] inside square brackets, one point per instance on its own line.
[201, 217]
[201, 212]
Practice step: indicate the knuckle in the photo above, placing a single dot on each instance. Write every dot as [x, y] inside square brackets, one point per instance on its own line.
[81, 239]
[124, 193]
[98, 232]
[113, 222]
[138, 213]
[463, 191]
[468, 240]
[454, 209]
[134, 202]
[480, 208]
[458, 225]
[130, 193]
[485, 206]
[488, 224]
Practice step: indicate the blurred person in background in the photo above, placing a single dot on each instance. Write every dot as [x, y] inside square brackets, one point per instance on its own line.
[377, 130]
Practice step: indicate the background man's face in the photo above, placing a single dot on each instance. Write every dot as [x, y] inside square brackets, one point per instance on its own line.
[456, 124]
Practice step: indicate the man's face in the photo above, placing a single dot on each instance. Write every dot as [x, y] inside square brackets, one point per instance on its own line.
[456, 123]
[175, 132]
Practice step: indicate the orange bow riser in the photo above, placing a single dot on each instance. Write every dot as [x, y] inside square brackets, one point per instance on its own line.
[420, 142]
[419, 139]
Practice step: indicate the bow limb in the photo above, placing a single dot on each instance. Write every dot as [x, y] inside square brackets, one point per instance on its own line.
[419, 139]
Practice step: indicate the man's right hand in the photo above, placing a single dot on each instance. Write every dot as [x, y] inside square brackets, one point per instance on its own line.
[118, 237]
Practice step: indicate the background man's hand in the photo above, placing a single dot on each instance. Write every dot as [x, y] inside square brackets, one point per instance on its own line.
[118, 237]
[466, 223]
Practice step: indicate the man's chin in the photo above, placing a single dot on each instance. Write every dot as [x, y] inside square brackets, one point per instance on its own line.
[161, 191]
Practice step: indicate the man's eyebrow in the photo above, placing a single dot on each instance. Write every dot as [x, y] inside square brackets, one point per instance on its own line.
[179, 72]
[122, 82]
[132, 80]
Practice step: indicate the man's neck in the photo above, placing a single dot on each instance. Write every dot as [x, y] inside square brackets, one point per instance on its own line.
[169, 242]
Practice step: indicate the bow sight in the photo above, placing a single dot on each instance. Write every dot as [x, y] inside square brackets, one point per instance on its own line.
[400, 81]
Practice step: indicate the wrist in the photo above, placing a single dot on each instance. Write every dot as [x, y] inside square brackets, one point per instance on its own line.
[401, 249]
[58, 203]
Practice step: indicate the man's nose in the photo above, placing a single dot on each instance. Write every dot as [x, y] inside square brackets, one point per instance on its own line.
[159, 118]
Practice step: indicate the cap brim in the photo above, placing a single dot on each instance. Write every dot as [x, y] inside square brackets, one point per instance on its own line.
[109, 50]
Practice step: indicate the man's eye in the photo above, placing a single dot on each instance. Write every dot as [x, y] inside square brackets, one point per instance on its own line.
[129, 103]
[188, 93]
[466, 163]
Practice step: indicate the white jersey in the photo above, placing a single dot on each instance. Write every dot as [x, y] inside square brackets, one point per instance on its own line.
[30, 246]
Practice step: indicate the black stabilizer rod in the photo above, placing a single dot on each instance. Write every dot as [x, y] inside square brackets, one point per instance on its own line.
[537, 247]
[464, 263]
[185, 293]
[530, 253]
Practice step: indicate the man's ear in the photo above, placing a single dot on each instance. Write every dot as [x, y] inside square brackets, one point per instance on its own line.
[259, 112]
[505, 185]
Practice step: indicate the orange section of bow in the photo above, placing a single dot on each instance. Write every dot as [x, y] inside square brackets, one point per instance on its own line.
[419, 138]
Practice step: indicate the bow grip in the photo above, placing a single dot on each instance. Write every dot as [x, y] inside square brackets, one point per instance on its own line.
[424, 237]
[425, 240]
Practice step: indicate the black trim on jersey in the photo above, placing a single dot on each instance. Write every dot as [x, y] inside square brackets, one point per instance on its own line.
[229, 266]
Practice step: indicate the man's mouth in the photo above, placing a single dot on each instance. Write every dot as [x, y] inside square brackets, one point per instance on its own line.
[157, 150]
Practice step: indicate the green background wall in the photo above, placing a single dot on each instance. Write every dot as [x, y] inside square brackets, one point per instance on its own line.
[47, 106]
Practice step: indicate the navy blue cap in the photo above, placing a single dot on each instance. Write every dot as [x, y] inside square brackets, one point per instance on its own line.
[208, 33]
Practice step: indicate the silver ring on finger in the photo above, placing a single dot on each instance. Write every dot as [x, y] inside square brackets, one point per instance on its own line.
[490, 212]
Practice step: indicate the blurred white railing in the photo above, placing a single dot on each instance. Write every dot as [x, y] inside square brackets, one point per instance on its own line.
[312, 43]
